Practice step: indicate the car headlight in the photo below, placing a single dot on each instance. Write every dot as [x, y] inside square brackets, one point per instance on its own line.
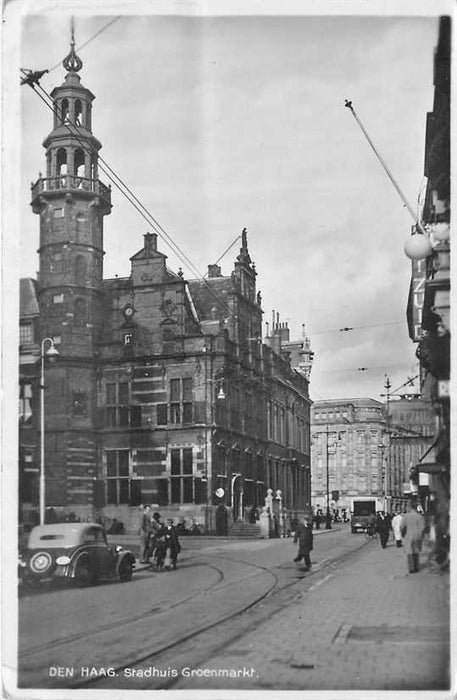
[62, 561]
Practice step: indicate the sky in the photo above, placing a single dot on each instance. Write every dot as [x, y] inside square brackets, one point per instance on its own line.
[219, 122]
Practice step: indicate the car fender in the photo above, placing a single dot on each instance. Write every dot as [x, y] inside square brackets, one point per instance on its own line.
[74, 561]
[125, 555]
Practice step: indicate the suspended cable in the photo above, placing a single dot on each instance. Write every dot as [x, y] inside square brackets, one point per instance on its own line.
[100, 31]
[348, 104]
[226, 251]
[357, 328]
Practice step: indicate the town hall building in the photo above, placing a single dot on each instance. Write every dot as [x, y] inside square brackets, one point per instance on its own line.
[165, 390]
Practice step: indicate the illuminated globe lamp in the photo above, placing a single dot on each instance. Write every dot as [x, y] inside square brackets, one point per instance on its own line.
[418, 246]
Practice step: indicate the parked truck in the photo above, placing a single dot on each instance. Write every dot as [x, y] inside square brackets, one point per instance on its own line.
[361, 510]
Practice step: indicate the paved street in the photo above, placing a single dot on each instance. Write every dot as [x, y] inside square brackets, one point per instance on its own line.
[368, 625]
[244, 611]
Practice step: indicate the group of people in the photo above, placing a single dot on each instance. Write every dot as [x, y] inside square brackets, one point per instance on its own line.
[408, 529]
[159, 542]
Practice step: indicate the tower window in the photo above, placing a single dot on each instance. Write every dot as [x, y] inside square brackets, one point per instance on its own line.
[79, 403]
[64, 114]
[80, 268]
[58, 213]
[78, 113]
[57, 299]
[80, 312]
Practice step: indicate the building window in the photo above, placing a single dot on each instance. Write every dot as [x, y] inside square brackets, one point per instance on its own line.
[79, 403]
[25, 403]
[57, 299]
[25, 333]
[56, 262]
[80, 313]
[181, 470]
[80, 268]
[119, 412]
[162, 414]
[181, 405]
[117, 477]
[58, 213]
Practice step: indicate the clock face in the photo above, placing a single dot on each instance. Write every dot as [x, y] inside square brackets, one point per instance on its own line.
[128, 311]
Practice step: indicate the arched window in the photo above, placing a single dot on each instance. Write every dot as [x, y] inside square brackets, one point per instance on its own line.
[78, 113]
[64, 114]
[79, 165]
[61, 161]
[80, 313]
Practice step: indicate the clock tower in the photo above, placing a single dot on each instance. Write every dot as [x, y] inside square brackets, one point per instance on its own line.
[71, 202]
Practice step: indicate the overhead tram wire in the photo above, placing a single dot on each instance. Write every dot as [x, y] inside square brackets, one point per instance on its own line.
[357, 328]
[94, 36]
[132, 199]
[226, 251]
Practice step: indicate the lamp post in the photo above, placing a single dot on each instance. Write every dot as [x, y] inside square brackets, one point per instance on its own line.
[51, 352]
[328, 519]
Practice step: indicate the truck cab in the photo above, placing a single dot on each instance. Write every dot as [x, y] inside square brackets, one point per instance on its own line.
[362, 510]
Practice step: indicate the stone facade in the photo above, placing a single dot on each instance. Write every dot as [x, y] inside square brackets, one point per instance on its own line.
[165, 391]
[349, 438]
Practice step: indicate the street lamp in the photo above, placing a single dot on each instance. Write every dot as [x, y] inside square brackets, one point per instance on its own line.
[50, 353]
[328, 517]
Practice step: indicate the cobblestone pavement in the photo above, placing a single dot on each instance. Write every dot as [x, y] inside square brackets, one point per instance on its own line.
[366, 625]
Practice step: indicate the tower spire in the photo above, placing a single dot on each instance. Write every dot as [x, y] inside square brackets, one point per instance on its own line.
[72, 63]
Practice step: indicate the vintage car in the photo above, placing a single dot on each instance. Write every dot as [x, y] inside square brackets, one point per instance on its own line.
[78, 552]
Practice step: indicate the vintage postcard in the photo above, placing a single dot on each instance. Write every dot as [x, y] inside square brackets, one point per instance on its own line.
[226, 349]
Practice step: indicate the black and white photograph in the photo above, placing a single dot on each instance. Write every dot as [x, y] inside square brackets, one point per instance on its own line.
[226, 316]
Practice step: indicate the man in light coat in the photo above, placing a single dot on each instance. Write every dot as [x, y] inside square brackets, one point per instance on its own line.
[396, 527]
[412, 530]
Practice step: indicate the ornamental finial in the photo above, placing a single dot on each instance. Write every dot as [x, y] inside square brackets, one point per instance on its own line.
[72, 63]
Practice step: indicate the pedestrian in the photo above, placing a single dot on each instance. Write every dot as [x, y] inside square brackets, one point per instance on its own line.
[155, 527]
[383, 527]
[144, 532]
[412, 530]
[304, 537]
[318, 518]
[371, 524]
[172, 545]
[396, 527]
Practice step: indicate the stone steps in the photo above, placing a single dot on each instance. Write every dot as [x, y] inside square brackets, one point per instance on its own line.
[239, 530]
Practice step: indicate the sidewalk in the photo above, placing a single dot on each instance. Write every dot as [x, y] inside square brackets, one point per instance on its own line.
[367, 625]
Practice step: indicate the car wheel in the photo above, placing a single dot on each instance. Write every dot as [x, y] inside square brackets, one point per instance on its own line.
[83, 575]
[125, 570]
